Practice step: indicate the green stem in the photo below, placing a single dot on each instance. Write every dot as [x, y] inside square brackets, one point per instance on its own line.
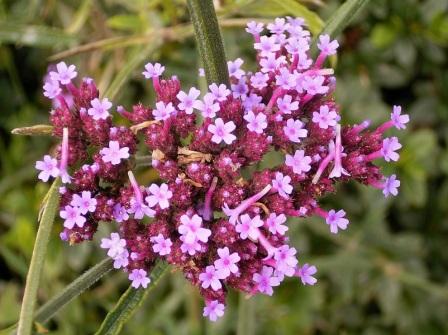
[37, 259]
[246, 315]
[209, 41]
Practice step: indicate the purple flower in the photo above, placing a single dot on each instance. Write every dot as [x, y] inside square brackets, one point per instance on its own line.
[390, 145]
[294, 130]
[214, 310]
[298, 46]
[139, 278]
[208, 107]
[254, 28]
[114, 154]
[220, 92]
[120, 214]
[51, 89]
[191, 229]
[210, 278]
[391, 185]
[226, 263]
[267, 45]
[326, 46]
[115, 244]
[48, 168]
[270, 62]
[285, 106]
[314, 85]
[399, 120]
[282, 184]
[325, 117]
[299, 162]
[201, 72]
[235, 68]
[278, 26]
[266, 280]
[222, 131]
[64, 73]
[99, 109]
[275, 224]
[163, 111]
[336, 220]
[247, 227]
[256, 123]
[153, 71]
[240, 89]
[305, 273]
[161, 245]
[190, 248]
[159, 196]
[188, 101]
[285, 79]
[72, 217]
[85, 202]
[285, 261]
[259, 80]
[139, 209]
[122, 260]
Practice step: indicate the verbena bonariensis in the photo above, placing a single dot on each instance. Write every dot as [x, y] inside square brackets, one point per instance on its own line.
[221, 229]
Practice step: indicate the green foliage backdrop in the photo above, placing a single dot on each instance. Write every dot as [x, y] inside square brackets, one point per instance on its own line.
[386, 275]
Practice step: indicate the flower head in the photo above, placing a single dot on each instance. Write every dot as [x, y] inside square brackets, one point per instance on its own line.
[266, 280]
[222, 131]
[84, 202]
[306, 272]
[327, 46]
[161, 245]
[48, 168]
[160, 195]
[210, 278]
[336, 220]
[139, 278]
[208, 106]
[256, 123]
[325, 117]
[99, 109]
[188, 101]
[294, 130]
[247, 227]
[299, 162]
[282, 184]
[191, 229]
[286, 105]
[390, 145]
[114, 154]
[275, 224]
[72, 217]
[391, 185]
[226, 263]
[115, 244]
[213, 310]
[63, 74]
[220, 92]
[398, 119]
[163, 111]
[235, 68]
[51, 89]
[153, 70]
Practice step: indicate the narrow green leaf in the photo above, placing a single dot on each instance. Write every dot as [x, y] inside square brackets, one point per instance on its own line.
[31, 35]
[313, 20]
[125, 22]
[37, 259]
[128, 303]
[246, 315]
[342, 17]
[209, 41]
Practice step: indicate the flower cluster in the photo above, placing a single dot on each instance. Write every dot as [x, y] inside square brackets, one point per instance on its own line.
[204, 218]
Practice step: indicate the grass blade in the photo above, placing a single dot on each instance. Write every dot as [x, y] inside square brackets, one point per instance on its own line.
[37, 259]
[128, 303]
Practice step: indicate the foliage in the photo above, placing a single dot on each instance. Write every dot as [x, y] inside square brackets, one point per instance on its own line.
[386, 274]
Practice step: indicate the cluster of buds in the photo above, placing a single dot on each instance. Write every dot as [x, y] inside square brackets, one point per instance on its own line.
[210, 216]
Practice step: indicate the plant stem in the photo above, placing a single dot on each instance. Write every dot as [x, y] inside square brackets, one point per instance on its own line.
[246, 315]
[37, 259]
[209, 41]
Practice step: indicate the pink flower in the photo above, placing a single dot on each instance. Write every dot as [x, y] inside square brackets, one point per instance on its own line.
[325, 117]
[163, 111]
[266, 280]
[226, 263]
[298, 46]
[72, 217]
[139, 209]
[267, 45]
[399, 120]
[208, 107]
[85, 202]
[115, 244]
[285, 79]
[120, 214]
[314, 85]
[235, 68]
[294, 130]
[286, 105]
[336, 220]
[139, 278]
[285, 261]
[278, 26]
[51, 89]
[222, 131]
[390, 145]
[275, 224]
[122, 260]
[188, 101]
[99, 109]
[64, 73]
[282, 184]
[256, 123]
[270, 62]
[161, 245]
[214, 310]
[219, 92]
[305, 273]
[247, 227]
[191, 229]
[114, 154]
[48, 168]
[391, 185]
[190, 248]
[153, 71]
[240, 89]
[159, 196]
[201, 72]
[326, 46]
[299, 162]
[259, 80]
[254, 28]
[210, 278]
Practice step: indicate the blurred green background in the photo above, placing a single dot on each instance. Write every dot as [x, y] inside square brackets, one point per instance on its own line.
[386, 275]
